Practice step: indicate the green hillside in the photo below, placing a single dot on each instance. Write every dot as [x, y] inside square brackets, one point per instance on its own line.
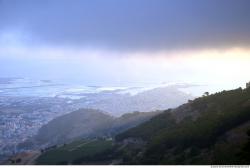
[203, 135]
[78, 152]
[88, 123]
[213, 129]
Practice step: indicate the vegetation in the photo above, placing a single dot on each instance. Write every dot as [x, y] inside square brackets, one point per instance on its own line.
[76, 153]
[193, 141]
[213, 129]
[149, 129]
[88, 123]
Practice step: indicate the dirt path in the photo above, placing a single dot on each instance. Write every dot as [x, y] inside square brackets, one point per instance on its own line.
[80, 145]
[24, 158]
[32, 158]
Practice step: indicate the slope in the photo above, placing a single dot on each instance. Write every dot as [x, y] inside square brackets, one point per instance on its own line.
[88, 123]
[191, 133]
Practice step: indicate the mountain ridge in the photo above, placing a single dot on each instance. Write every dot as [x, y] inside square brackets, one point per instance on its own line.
[196, 128]
[88, 123]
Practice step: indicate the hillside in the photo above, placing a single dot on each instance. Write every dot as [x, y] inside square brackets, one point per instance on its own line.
[80, 123]
[213, 129]
[209, 130]
[87, 123]
[77, 152]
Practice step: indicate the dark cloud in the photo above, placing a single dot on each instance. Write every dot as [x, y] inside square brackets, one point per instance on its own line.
[131, 24]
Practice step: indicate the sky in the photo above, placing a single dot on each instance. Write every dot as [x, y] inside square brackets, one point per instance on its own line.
[126, 42]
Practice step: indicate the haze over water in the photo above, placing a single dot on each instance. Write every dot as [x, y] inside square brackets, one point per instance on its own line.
[113, 44]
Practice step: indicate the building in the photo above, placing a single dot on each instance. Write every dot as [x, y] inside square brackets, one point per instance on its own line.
[248, 85]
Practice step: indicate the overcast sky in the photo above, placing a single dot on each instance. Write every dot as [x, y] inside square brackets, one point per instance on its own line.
[115, 42]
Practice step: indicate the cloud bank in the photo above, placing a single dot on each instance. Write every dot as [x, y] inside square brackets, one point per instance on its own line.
[130, 24]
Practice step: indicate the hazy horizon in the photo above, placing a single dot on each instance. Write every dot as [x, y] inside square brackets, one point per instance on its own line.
[127, 42]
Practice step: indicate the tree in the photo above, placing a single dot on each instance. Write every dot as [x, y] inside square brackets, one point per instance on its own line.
[206, 94]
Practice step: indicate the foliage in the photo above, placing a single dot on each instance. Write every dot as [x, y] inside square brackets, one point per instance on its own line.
[197, 134]
[170, 142]
[76, 152]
